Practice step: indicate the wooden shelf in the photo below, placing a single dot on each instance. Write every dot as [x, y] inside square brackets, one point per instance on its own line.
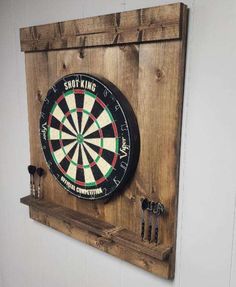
[106, 237]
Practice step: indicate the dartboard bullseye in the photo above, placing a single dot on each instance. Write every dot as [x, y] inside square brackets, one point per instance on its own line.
[89, 136]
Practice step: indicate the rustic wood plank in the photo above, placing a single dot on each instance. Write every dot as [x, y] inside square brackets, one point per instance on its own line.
[131, 240]
[160, 268]
[180, 92]
[121, 68]
[138, 26]
[69, 216]
[110, 233]
[159, 98]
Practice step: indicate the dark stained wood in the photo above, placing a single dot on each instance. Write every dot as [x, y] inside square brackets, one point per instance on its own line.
[151, 76]
[110, 233]
[160, 268]
[131, 240]
[138, 26]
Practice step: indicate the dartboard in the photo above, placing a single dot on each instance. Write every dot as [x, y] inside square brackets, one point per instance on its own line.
[89, 136]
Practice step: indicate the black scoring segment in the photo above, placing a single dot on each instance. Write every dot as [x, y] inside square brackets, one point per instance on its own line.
[55, 123]
[55, 145]
[65, 164]
[80, 160]
[66, 142]
[93, 135]
[72, 151]
[96, 111]
[108, 155]
[93, 146]
[65, 109]
[80, 175]
[90, 159]
[79, 99]
[108, 131]
[97, 173]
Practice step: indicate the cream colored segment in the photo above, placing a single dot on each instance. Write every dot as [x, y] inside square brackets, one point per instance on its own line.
[95, 141]
[76, 154]
[70, 100]
[103, 165]
[54, 134]
[108, 143]
[71, 103]
[103, 120]
[84, 121]
[72, 169]
[88, 102]
[58, 114]
[68, 147]
[88, 105]
[88, 175]
[59, 154]
[75, 120]
[91, 129]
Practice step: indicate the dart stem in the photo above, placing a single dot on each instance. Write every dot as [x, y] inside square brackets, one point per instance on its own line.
[142, 228]
[34, 190]
[31, 186]
[156, 231]
[40, 188]
[39, 195]
[150, 226]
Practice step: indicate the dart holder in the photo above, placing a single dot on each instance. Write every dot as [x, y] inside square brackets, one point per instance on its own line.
[143, 53]
[153, 210]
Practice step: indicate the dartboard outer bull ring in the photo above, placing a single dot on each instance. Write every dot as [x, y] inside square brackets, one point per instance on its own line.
[89, 136]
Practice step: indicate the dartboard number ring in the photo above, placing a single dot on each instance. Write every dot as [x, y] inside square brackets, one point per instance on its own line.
[89, 136]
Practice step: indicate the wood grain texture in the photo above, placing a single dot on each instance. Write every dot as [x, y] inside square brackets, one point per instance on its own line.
[151, 76]
[109, 232]
[160, 268]
[138, 26]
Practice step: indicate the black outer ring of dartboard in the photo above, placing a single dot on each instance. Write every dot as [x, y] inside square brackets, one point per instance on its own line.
[133, 132]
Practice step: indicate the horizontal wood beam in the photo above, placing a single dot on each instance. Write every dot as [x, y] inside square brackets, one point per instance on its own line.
[138, 26]
[105, 232]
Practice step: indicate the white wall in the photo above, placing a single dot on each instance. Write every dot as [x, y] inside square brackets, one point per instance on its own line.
[33, 255]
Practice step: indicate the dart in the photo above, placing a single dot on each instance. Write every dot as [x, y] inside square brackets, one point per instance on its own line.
[158, 210]
[144, 206]
[31, 170]
[156, 213]
[40, 173]
[161, 208]
[150, 209]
